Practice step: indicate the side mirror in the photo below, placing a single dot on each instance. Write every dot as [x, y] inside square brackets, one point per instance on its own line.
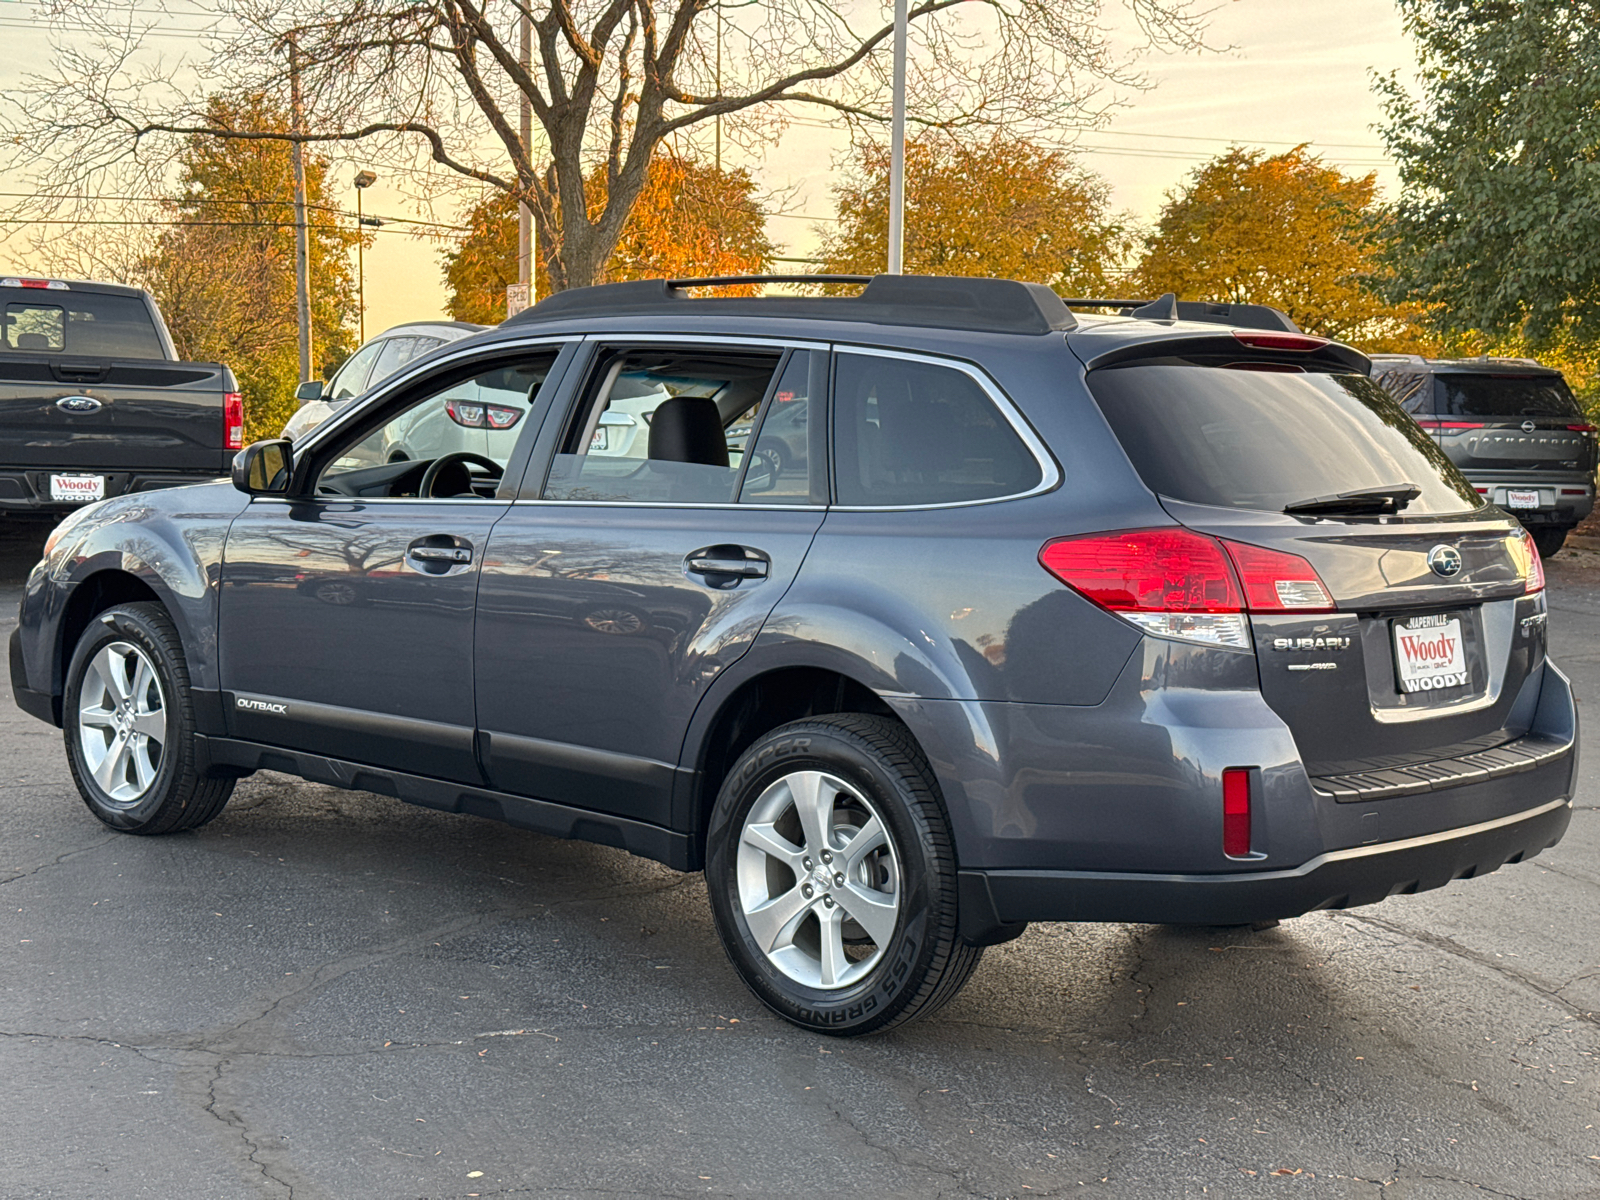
[263, 468]
[308, 391]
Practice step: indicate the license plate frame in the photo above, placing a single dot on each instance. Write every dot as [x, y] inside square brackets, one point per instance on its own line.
[77, 488]
[1430, 654]
[1522, 498]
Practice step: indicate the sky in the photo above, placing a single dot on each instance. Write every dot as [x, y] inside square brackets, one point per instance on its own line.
[1292, 71]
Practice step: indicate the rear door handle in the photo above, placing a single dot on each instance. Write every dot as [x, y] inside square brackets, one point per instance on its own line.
[438, 555]
[726, 565]
[442, 554]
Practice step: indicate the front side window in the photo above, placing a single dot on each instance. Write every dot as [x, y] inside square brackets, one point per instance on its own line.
[464, 429]
[908, 432]
[662, 426]
[351, 379]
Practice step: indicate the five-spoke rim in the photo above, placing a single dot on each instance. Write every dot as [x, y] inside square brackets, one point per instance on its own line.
[819, 882]
[122, 721]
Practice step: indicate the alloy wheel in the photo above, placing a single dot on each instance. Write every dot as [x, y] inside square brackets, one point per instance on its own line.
[818, 879]
[122, 722]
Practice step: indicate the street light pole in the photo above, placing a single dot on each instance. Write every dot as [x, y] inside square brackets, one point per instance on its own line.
[364, 180]
[897, 147]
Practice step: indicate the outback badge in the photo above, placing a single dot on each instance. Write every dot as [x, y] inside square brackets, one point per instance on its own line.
[1444, 560]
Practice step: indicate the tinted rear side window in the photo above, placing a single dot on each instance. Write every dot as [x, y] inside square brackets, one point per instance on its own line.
[1459, 395]
[919, 433]
[1261, 440]
[78, 323]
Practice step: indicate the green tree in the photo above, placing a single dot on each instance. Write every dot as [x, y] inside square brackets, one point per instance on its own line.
[1286, 230]
[1498, 219]
[1005, 207]
[224, 274]
[690, 219]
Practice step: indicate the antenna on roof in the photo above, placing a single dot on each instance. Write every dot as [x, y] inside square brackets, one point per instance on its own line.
[1165, 308]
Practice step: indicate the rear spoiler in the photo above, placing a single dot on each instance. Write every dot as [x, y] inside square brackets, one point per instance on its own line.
[1170, 308]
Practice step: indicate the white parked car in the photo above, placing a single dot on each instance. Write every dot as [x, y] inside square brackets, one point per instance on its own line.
[369, 366]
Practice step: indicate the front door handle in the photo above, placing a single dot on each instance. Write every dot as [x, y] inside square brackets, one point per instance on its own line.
[439, 555]
[725, 566]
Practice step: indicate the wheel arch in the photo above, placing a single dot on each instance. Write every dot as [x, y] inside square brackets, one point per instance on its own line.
[728, 723]
[89, 597]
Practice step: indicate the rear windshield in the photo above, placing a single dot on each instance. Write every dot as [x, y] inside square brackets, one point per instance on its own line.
[1503, 396]
[1256, 439]
[44, 322]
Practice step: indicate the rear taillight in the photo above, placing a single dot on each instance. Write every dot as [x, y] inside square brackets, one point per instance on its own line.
[1297, 343]
[481, 416]
[1180, 584]
[1583, 429]
[1434, 423]
[1529, 563]
[1236, 812]
[1278, 582]
[232, 421]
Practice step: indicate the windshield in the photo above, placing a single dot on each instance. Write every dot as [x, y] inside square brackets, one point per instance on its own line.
[1243, 438]
[1504, 396]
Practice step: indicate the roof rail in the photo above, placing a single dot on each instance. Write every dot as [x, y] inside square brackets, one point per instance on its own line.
[936, 301]
[1248, 316]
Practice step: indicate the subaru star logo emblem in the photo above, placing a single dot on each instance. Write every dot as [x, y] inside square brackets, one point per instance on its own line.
[1528, 427]
[78, 404]
[1445, 560]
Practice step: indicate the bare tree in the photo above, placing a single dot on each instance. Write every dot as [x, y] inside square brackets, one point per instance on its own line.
[609, 82]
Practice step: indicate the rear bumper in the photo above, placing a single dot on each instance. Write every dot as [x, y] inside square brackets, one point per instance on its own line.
[1558, 505]
[24, 492]
[1337, 879]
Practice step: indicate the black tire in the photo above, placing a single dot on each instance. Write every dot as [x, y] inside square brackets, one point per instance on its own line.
[1550, 540]
[178, 797]
[923, 963]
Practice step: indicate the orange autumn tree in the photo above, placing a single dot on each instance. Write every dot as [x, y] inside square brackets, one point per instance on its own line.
[1005, 207]
[1286, 230]
[690, 220]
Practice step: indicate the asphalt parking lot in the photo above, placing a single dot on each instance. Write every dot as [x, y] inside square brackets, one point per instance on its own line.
[329, 995]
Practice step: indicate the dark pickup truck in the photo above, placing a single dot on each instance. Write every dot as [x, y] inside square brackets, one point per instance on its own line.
[94, 402]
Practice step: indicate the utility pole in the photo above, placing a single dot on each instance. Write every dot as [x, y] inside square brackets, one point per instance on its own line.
[897, 147]
[525, 229]
[302, 241]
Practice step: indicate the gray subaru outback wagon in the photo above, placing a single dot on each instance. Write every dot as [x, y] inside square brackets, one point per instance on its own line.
[1056, 618]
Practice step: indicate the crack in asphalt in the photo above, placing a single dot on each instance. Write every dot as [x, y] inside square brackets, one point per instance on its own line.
[232, 1120]
[1482, 1187]
[1499, 966]
[59, 859]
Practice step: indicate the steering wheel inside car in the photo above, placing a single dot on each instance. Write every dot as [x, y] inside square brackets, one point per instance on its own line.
[452, 467]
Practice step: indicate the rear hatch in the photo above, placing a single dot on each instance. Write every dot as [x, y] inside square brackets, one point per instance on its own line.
[85, 382]
[1508, 421]
[1410, 625]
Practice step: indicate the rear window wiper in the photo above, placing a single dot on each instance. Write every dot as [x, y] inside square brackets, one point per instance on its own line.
[1389, 497]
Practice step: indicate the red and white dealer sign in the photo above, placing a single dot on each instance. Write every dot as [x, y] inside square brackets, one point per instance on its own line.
[77, 489]
[1429, 653]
